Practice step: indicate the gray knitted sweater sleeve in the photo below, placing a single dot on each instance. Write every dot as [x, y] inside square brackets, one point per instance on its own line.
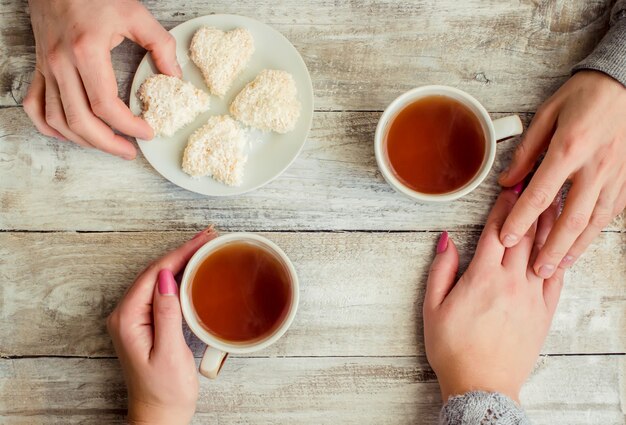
[481, 408]
[610, 55]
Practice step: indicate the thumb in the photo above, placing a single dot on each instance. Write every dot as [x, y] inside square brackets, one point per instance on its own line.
[146, 31]
[168, 322]
[533, 144]
[442, 272]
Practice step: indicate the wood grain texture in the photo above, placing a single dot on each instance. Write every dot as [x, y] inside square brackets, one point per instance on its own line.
[333, 185]
[571, 390]
[361, 54]
[361, 293]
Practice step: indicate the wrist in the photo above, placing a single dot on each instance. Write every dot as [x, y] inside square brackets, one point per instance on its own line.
[141, 413]
[458, 389]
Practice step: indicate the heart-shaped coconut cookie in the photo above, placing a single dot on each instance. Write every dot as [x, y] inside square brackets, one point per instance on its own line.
[221, 56]
[217, 150]
[269, 102]
[169, 103]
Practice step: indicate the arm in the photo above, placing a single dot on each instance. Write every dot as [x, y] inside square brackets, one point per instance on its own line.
[610, 55]
[484, 332]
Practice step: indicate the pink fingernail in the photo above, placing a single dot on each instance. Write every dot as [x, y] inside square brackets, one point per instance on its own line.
[518, 188]
[546, 271]
[442, 245]
[167, 283]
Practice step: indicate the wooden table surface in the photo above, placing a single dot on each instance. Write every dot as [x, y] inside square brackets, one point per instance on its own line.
[76, 226]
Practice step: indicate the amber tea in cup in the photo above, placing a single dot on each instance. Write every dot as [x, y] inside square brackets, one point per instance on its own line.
[241, 292]
[438, 143]
[435, 145]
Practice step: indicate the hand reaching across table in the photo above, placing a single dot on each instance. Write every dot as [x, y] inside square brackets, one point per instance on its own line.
[484, 332]
[583, 128]
[146, 329]
[73, 94]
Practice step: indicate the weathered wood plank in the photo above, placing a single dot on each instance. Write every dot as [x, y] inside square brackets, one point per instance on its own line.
[572, 390]
[361, 54]
[333, 185]
[361, 293]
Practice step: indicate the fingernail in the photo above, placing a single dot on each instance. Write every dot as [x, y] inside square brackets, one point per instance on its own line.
[442, 245]
[148, 135]
[567, 261]
[546, 271]
[167, 283]
[179, 70]
[518, 188]
[509, 240]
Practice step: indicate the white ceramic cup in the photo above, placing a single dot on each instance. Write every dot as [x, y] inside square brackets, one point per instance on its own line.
[493, 130]
[217, 349]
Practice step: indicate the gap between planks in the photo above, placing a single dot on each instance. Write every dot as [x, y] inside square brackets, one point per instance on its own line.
[43, 356]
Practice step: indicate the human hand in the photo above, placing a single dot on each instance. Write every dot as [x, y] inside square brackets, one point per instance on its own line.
[484, 333]
[146, 329]
[73, 93]
[583, 127]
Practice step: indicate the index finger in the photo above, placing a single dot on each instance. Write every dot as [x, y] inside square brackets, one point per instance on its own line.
[543, 187]
[96, 72]
[142, 290]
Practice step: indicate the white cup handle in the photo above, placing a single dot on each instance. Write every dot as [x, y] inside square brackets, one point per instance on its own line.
[507, 127]
[212, 362]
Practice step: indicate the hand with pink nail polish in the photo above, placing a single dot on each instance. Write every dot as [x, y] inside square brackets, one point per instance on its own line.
[73, 94]
[485, 331]
[583, 128]
[146, 329]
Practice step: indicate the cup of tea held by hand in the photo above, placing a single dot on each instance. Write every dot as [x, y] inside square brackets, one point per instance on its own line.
[438, 143]
[239, 294]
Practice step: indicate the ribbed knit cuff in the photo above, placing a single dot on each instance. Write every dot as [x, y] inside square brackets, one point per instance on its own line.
[610, 55]
[483, 408]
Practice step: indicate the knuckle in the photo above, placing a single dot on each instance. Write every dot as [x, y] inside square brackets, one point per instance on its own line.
[101, 106]
[520, 151]
[571, 144]
[538, 198]
[169, 41]
[54, 119]
[53, 57]
[168, 310]
[600, 219]
[605, 161]
[83, 46]
[30, 104]
[113, 321]
[544, 109]
[122, 320]
[75, 120]
[153, 267]
[576, 222]
[554, 254]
